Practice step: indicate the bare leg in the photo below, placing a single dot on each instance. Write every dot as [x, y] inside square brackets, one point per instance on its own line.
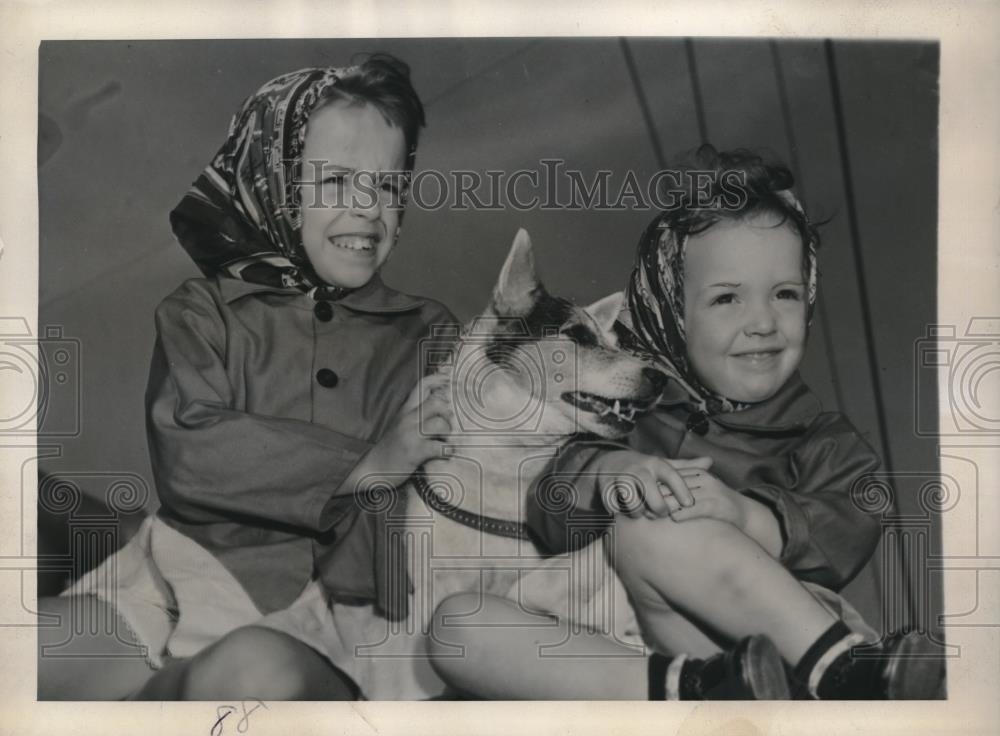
[502, 655]
[251, 662]
[88, 653]
[714, 572]
[673, 632]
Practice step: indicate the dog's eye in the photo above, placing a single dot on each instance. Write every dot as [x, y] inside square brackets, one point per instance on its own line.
[580, 334]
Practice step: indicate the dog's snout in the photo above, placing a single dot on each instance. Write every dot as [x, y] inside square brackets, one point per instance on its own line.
[655, 377]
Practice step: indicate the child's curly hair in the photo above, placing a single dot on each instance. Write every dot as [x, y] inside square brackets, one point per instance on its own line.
[734, 185]
[383, 81]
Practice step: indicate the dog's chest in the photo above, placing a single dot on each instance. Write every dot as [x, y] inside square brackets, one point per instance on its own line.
[447, 556]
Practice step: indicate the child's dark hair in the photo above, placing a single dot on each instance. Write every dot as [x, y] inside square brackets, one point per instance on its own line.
[383, 81]
[733, 185]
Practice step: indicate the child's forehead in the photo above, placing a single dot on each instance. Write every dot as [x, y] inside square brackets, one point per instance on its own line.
[761, 242]
[353, 136]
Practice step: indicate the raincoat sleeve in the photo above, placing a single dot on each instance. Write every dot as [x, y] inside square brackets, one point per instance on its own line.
[827, 536]
[564, 509]
[213, 462]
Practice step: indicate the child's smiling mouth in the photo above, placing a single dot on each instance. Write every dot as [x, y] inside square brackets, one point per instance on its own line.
[355, 242]
[759, 357]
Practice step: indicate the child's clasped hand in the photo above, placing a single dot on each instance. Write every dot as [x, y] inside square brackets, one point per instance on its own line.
[644, 485]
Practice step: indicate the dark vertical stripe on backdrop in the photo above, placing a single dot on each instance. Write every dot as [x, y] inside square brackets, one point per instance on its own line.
[852, 222]
[640, 93]
[793, 152]
[907, 616]
[699, 105]
[824, 315]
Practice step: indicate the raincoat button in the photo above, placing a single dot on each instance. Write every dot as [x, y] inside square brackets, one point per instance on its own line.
[323, 311]
[326, 378]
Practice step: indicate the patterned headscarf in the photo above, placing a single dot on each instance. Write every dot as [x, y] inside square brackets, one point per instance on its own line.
[241, 217]
[655, 297]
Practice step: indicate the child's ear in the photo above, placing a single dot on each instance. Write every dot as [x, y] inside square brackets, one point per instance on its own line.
[605, 311]
[516, 291]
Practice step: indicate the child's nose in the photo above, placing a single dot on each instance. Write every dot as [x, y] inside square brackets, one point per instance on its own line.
[367, 200]
[761, 321]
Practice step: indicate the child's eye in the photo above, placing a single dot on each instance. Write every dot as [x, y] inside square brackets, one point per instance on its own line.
[339, 178]
[724, 299]
[792, 294]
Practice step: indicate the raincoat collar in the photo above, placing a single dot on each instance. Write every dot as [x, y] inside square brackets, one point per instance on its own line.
[794, 407]
[372, 298]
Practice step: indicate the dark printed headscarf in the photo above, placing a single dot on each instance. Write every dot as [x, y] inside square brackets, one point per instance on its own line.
[241, 217]
[655, 298]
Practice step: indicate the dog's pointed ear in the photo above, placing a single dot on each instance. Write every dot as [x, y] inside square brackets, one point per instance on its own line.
[515, 292]
[605, 311]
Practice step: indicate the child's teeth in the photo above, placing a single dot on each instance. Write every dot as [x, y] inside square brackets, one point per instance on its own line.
[352, 242]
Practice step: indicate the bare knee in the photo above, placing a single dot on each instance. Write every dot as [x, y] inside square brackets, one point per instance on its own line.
[657, 551]
[77, 634]
[446, 637]
[251, 662]
[457, 644]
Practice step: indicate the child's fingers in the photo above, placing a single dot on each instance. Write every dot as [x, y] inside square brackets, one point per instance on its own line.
[694, 463]
[428, 449]
[673, 505]
[435, 426]
[693, 477]
[673, 481]
[424, 388]
[698, 511]
[436, 406]
[436, 383]
[655, 501]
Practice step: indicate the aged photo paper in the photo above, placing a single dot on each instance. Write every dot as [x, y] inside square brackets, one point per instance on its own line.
[888, 114]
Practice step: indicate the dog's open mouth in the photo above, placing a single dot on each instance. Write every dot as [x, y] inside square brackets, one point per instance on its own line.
[620, 413]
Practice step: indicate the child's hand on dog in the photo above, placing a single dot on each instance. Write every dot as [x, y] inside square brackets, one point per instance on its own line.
[634, 484]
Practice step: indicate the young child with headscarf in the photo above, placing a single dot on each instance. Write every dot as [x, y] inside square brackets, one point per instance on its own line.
[285, 385]
[746, 550]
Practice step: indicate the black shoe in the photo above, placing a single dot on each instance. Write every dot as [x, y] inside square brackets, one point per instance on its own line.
[905, 667]
[752, 670]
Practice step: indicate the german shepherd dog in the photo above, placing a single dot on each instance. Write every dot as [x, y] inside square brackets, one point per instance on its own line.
[526, 376]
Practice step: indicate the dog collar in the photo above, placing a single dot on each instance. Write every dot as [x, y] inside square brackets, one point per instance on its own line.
[479, 522]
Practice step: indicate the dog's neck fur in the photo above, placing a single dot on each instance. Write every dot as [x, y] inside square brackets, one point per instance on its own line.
[487, 472]
[488, 465]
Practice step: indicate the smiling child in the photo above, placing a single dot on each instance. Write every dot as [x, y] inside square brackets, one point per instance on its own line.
[739, 523]
[283, 384]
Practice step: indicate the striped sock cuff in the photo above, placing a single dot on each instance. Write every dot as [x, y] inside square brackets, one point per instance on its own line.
[829, 657]
[674, 677]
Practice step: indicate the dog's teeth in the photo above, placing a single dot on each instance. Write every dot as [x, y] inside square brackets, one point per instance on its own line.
[618, 407]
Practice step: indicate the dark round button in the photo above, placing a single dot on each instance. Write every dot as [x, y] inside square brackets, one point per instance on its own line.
[326, 378]
[698, 423]
[323, 311]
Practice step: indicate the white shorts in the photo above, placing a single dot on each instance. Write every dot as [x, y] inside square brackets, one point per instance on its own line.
[178, 599]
